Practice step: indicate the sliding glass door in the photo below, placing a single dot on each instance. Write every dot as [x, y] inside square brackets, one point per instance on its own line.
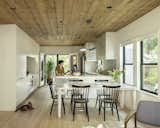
[55, 58]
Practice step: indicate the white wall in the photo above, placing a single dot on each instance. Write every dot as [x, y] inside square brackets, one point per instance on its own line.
[59, 49]
[148, 24]
[144, 26]
[26, 46]
[7, 67]
[15, 45]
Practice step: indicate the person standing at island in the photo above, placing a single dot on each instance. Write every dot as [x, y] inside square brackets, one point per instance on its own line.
[75, 68]
[59, 68]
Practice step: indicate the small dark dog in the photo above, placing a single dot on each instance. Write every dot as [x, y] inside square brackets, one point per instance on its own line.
[25, 107]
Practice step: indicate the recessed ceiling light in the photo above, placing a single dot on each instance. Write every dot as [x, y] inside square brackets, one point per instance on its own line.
[109, 7]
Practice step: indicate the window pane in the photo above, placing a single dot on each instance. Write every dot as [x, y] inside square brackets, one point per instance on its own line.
[66, 59]
[150, 50]
[129, 53]
[150, 77]
[121, 58]
[129, 74]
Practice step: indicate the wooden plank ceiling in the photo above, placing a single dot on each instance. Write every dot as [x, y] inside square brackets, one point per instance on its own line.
[72, 22]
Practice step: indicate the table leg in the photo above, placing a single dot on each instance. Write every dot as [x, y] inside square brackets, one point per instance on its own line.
[59, 103]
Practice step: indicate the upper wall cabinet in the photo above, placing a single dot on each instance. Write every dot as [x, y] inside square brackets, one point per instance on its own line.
[106, 46]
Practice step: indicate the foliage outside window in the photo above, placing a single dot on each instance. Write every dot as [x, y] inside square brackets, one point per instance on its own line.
[149, 64]
[49, 66]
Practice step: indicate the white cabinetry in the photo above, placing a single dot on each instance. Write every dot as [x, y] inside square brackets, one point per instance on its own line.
[106, 46]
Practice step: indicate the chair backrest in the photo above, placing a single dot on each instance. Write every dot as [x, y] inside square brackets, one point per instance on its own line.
[101, 80]
[111, 92]
[80, 92]
[75, 80]
[149, 112]
[51, 91]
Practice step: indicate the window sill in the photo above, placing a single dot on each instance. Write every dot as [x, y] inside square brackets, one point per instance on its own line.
[149, 94]
[131, 85]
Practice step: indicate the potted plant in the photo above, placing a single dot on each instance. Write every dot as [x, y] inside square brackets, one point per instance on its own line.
[49, 70]
[115, 74]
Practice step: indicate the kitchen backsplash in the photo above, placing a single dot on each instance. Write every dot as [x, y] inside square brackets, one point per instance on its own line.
[107, 65]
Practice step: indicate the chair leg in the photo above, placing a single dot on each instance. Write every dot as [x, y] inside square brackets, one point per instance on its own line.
[100, 105]
[87, 111]
[117, 111]
[135, 121]
[112, 108]
[104, 111]
[74, 107]
[71, 103]
[52, 107]
[96, 101]
[63, 105]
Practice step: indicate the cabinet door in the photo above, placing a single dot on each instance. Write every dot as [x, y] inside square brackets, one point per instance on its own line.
[100, 47]
[110, 45]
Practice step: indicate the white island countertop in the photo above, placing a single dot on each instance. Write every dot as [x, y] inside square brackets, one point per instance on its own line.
[85, 75]
[86, 78]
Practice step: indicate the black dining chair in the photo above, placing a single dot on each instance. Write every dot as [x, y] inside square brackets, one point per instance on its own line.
[55, 98]
[109, 99]
[69, 92]
[147, 113]
[99, 91]
[80, 96]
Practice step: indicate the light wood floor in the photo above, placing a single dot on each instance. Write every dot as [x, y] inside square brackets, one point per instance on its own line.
[40, 118]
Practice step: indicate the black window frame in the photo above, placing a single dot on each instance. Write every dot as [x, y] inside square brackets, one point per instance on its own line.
[124, 64]
[141, 70]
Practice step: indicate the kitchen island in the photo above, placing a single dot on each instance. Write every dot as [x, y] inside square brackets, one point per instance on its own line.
[63, 85]
[87, 79]
[63, 82]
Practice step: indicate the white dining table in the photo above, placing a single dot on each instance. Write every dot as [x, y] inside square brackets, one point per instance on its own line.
[62, 88]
